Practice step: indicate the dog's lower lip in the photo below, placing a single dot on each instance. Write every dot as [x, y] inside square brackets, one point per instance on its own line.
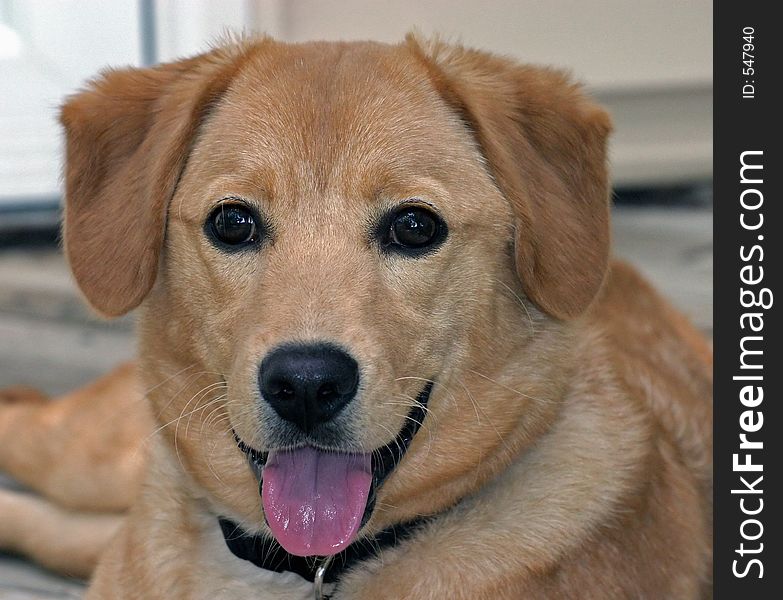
[384, 459]
[255, 458]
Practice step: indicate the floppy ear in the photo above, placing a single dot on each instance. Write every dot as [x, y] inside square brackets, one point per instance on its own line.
[545, 145]
[128, 136]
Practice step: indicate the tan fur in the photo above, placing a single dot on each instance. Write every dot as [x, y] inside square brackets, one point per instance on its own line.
[567, 446]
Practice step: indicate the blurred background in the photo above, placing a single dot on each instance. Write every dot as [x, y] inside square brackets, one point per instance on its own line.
[648, 61]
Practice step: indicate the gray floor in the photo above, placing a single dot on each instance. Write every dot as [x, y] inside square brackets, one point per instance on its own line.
[49, 340]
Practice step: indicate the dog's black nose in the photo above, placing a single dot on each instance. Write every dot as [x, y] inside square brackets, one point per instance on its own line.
[308, 384]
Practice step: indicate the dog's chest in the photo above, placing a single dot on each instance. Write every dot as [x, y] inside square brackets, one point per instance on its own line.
[224, 576]
[247, 582]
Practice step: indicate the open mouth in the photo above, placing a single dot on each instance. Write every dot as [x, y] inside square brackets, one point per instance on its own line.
[316, 501]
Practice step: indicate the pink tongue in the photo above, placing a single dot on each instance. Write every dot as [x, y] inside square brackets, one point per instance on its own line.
[314, 500]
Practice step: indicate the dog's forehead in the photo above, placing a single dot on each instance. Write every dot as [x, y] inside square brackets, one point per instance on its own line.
[334, 115]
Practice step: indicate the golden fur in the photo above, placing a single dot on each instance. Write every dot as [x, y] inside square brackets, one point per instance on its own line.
[567, 447]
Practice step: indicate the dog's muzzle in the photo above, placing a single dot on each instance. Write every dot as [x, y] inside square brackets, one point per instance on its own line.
[315, 501]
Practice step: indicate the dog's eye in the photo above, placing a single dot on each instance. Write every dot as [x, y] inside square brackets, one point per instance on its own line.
[415, 229]
[233, 225]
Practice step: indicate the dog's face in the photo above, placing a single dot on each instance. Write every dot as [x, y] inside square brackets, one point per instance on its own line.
[335, 240]
[316, 223]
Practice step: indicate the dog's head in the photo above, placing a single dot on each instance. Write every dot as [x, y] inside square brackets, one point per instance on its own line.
[359, 264]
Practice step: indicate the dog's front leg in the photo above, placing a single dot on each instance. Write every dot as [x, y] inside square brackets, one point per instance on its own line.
[83, 451]
[63, 540]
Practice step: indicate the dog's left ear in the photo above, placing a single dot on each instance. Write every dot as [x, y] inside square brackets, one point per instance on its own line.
[545, 145]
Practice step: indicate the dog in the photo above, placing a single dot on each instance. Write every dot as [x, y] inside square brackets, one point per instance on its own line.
[383, 349]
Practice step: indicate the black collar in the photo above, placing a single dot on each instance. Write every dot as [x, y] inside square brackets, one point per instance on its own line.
[268, 554]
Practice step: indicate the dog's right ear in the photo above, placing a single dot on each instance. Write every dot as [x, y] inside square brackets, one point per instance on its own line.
[128, 136]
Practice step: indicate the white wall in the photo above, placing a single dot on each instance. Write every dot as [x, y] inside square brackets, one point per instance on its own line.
[50, 47]
[610, 43]
[649, 61]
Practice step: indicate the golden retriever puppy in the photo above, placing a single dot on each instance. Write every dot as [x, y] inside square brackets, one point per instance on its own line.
[384, 353]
